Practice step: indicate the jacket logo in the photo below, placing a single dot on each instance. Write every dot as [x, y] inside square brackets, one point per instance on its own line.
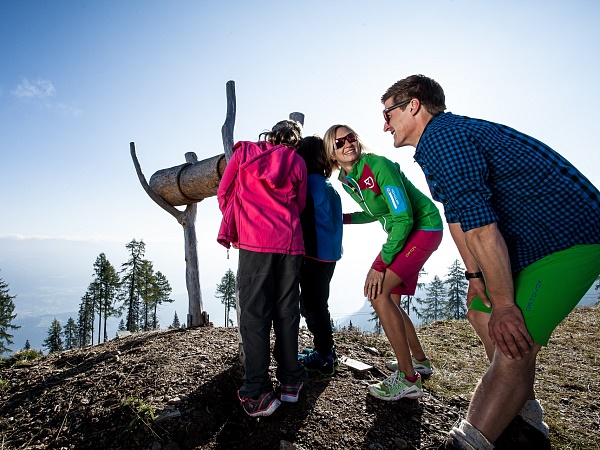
[369, 182]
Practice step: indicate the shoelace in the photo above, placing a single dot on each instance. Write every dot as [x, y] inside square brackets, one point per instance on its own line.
[393, 380]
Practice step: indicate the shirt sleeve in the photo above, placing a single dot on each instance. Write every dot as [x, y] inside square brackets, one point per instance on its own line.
[389, 179]
[227, 183]
[457, 173]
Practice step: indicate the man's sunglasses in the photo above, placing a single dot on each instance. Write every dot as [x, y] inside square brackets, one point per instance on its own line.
[339, 142]
[386, 111]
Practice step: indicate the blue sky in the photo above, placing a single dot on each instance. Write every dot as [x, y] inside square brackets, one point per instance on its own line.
[79, 80]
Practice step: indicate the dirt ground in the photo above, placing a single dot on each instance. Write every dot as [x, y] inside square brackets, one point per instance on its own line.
[176, 389]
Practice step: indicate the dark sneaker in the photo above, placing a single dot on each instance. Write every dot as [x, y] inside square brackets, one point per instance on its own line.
[291, 392]
[326, 366]
[263, 405]
[519, 435]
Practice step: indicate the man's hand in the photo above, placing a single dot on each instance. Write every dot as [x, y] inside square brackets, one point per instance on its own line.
[373, 284]
[477, 289]
[508, 331]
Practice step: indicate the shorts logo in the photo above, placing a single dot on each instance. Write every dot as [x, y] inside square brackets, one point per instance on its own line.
[534, 295]
[410, 251]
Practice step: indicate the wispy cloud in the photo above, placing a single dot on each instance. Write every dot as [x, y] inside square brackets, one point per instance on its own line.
[35, 89]
[40, 237]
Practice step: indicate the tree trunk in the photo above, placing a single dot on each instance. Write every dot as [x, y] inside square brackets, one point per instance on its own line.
[192, 271]
[189, 183]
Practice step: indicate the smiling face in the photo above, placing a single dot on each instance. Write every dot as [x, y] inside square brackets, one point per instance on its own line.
[349, 152]
[400, 123]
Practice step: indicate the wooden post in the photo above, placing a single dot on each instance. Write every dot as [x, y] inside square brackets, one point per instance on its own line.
[187, 219]
[188, 184]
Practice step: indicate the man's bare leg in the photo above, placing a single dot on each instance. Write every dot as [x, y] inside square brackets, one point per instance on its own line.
[502, 392]
[479, 321]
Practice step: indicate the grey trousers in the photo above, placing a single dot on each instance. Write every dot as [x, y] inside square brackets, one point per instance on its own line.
[268, 285]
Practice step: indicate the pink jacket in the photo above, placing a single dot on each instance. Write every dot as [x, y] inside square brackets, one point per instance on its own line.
[261, 195]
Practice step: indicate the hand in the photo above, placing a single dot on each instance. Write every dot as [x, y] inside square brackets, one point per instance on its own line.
[477, 289]
[373, 284]
[508, 331]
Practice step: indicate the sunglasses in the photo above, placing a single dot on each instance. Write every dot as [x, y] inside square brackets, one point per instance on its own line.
[339, 142]
[386, 111]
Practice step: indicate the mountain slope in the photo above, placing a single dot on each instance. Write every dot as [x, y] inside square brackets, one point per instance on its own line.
[177, 390]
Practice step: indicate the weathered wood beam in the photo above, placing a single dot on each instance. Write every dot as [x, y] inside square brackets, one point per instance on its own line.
[227, 128]
[189, 183]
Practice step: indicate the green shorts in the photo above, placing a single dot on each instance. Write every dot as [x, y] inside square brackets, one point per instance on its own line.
[548, 290]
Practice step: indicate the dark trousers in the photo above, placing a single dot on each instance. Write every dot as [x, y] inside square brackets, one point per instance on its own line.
[268, 286]
[315, 277]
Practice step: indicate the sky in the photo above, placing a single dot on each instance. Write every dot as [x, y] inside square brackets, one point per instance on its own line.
[80, 80]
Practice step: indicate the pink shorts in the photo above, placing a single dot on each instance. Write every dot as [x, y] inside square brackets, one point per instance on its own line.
[418, 248]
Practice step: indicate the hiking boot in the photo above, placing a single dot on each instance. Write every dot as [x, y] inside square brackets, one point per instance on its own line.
[423, 367]
[263, 405]
[313, 362]
[396, 387]
[291, 392]
[520, 435]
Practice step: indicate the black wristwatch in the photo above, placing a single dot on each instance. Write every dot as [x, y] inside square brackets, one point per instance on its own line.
[469, 275]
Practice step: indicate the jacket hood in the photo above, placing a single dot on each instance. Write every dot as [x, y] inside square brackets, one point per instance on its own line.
[267, 162]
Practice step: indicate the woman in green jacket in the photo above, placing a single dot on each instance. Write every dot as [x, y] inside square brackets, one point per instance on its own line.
[414, 228]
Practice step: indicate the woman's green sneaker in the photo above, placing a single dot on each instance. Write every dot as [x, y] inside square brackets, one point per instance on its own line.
[396, 387]
[423, 367]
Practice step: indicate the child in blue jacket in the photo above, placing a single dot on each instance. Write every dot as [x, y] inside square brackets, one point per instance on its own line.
[322, 231]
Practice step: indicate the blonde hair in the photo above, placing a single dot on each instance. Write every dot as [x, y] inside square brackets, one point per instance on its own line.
[329, 142]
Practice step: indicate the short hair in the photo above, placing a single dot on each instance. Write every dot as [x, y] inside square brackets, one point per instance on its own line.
[329, 141]
[313, 152]
[425, 89]
[286, 132]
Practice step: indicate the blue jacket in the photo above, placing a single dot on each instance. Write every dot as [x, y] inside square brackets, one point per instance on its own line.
[322, 220]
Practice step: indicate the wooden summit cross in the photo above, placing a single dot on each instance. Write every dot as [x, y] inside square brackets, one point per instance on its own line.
[188, 184]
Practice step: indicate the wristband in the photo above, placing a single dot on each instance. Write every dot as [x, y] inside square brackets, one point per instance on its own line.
[469, 275]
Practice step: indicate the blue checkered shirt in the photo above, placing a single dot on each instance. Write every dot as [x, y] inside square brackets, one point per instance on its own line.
[484, 172]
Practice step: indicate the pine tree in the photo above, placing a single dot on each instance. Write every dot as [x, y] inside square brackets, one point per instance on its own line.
[107, 282]
[130, 280]
[435, 302]
[53, 343]
[27, 345]
[7, 308]
[377, 326]
[147, 291]
[456, 307]
[226, 292]
[176, 324]
[121, 326]
[85, 318]
[407, 302]
[70, 334]
[163, 295]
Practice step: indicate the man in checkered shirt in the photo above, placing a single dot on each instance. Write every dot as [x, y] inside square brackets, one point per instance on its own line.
[526, 223]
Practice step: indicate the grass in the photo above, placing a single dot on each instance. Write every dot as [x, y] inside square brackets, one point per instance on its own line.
[567, 374]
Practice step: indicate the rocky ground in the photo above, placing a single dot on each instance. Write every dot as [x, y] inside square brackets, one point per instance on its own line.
[176, 389]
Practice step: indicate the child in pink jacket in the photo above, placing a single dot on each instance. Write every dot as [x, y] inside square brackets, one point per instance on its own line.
[261, 195]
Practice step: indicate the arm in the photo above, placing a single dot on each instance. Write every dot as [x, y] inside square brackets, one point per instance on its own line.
[302, 185]
[506, 325]
[227, 183]
[389, 179]
[476, 285]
